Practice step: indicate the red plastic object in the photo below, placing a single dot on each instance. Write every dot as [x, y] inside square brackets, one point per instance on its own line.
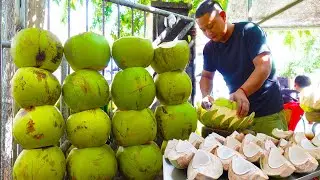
[296, 113]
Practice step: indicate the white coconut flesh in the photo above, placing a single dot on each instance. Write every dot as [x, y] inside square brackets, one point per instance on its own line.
[237, 136]
[252, 151]
[170, 44]
[195, 139]
[276, 160]
[240, 166]
[281, 134]
[220, 138]
[263, 137]
[170, 147]
[301, 159]
[312, 149]
[223, 152]
[316, 140]
[209, 144]
[232, 143]
[251, 138]
[298, 136]
[205, 165]
[283, 143]
[181, 155]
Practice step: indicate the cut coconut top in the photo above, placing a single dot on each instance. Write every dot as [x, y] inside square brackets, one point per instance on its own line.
[224, 152]
[283, 143]
[276, 160]
[263, 137]
[306, 144]
[184, 146]
[210, 141]
[268, 144]
[251, 138]
[240, 166]
[170, 146]
[281, 134]
[232, 142]
[297, 155]
[220, 138]
[194, 137]
[235, 134]
[170, 44]
[250, 149]
[201, 158]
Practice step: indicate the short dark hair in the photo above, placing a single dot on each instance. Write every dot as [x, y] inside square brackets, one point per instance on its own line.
[207, 6]
[302, 81]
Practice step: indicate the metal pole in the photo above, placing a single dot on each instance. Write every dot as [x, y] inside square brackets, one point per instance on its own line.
[103, 24]
[87, 14]
[1, 125]
[149, 9]
[145, 24]
[132, 22]
[48, 17]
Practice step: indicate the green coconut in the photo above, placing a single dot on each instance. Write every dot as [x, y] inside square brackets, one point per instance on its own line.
[85, 89]
[133, 89]
[171, 56]
[176, 121]
[35, 87]
[46, 163]
[93, 163]
[132, 52]
[34, 47]
[38, 126]
[90, 128]
[140, 162]
[132, 128]
[87, 50]
[173, 87]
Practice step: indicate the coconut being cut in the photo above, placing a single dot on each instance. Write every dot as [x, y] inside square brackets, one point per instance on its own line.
[209, 144]
[204, 165]
[179, 153]
[316, 140]
[232, 143]
[301, 159]
[225, 154]
[241, 169]
[273, 163]
[251, 151]
[195, 139]
[313, 150]
[281, 134]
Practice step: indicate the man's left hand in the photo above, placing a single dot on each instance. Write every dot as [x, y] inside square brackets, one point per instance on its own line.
[242, 101]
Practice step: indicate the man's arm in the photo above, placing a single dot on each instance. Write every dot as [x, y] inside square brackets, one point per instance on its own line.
[206, 83]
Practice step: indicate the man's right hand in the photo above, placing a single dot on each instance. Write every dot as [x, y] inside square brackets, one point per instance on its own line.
[207, 102]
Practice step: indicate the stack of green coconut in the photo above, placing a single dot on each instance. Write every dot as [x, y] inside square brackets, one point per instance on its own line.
[134, 126]
[85, 91]
[39, 125]
[176, 117]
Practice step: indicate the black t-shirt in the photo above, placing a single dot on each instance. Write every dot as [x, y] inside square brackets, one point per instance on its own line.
[233, 59]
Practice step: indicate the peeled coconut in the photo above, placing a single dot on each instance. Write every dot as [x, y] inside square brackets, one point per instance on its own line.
[238, 136]
[195, 139]
[283, 144]
[301, 159]
[179, 153]
[232, 143]
[220, 138]
[46, 163]
[171, 56]
[252, 138]
[133, 89]
[241, 169]
[173, 87]
[209, 144]
[132, 128]
[268, 145]
[85, 89]
[251, 151]
[90, 128]
[38, 127]
[92, 163]
[35, 87]
[310, 148]
[281, 134]
[316, 140]
[264, 137]
[298, 137]
[34, 47]
[87, 50]
[140, 162]
[132, 51]
[204, 165]
[273, 163]
[225, 154]
[176, 121]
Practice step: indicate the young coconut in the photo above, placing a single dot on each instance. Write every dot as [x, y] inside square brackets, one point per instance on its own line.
[225, 154]
[313, 150]
[251, 138]
[238, 136]
[179, 153]
[195, 139]
[220, 138]
[241, 169]
[281, 134]
[301, 159]
[264, 137]
[297, 137]
[268, 144]
[209, 144]
[232, 143]
[283, 144]
[273, 163]
[316, 140]
[204, 165]
[251, 151]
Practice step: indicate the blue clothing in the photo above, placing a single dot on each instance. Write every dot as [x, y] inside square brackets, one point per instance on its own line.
[234, 60]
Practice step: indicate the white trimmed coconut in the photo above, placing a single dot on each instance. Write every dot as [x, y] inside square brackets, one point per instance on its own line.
[232, 143]
[283, 144]
[251, 151]
[238, 136]
[180, 153]
[264, 137]
[225, 154]
[220, 138]
[301, 159]
[209, 144]
[241, 169]
[297, 137]
[268, 144]
[312, 149]
[251, 138]
[316, 140]
[204, 165]
[281, 134]
[195, 139]
[273, 163]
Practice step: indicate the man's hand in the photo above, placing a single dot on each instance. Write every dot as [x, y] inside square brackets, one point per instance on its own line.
[207, 102]
[242, 101]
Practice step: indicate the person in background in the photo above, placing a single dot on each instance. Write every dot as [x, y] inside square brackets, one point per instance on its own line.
[239, 51]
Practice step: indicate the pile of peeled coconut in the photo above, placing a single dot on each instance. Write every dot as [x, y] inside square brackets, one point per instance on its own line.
[238, 154]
